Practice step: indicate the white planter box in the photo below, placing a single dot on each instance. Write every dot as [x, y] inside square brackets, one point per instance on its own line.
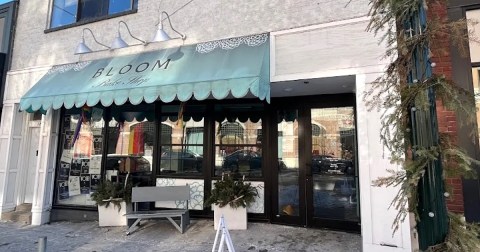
[110, 216]
[235, 219]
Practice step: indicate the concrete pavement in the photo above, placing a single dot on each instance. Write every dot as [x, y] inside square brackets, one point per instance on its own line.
[160, 235]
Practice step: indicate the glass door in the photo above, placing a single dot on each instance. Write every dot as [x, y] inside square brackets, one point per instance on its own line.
[331, 176]
[290, 206]
[317, 178]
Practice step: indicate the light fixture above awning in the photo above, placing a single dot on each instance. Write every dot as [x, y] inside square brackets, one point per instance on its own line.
[177, 73]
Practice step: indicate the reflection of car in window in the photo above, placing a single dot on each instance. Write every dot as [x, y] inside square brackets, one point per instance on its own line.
[247, 162]
[242, 158]
[129, 163]
[178, 161]
[139, 168]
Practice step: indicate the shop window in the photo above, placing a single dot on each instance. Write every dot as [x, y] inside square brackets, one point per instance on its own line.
[67, 12]
[181, 140]
[474, 29]
[79, 167]
[476, 90]
[130, 144]
[238, 140]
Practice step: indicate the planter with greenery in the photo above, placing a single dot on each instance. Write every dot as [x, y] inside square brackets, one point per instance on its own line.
[231, 198]
[114, 201]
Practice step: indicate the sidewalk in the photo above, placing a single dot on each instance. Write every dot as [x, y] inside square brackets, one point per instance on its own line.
[162, 236]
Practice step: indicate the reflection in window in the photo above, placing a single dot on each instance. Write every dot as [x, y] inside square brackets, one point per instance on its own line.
[130, 144]
[288, 166]
[116, 6]
[238, 140]
[92, 8]
[333, 164]
[2, 32]
[79, 169]
[474, 30]
[181, 140]
[476, 90]
[66, 12]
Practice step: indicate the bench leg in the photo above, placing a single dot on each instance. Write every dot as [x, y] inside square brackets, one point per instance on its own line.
[130, 229]
[179, 228]
[185, 221]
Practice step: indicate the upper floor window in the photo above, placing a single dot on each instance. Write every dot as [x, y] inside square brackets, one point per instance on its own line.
[67, 12]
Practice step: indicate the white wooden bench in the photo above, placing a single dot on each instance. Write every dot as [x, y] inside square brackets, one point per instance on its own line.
[154, 194]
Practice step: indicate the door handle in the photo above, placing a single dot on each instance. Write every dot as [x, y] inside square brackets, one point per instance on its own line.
[308, 171]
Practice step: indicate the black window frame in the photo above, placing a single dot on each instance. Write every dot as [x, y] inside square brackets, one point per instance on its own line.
[161, 145]
[79, 21]
[9, 12]
[240, 147]
[208, 145]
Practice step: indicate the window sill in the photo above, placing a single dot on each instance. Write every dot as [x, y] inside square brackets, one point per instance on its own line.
[93, 20]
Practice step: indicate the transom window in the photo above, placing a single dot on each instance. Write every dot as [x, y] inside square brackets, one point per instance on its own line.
[67, 12]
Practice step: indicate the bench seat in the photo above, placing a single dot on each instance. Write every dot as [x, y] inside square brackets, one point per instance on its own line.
[155, 194]
[155, 214]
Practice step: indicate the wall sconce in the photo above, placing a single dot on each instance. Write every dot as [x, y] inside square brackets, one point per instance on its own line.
[161, 35]
[119, 42]
[82, 47]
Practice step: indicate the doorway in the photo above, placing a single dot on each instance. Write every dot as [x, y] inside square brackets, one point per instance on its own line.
[317, 181]
[31, 161]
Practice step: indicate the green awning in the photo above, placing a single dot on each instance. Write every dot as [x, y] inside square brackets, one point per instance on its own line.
[166, 74]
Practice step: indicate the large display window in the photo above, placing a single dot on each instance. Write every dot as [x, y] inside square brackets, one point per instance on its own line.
[156, 144]
[129, 136]
[81, 147]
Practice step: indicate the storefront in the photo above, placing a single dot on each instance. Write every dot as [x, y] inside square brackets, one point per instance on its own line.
[166, 118]
[275, 99]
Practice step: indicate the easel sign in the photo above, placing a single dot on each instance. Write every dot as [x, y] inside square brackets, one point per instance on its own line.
[225, 239]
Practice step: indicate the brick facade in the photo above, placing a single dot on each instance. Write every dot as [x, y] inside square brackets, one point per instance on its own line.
[447, 120]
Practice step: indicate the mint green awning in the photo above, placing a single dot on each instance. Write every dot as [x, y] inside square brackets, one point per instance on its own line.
[180, 73]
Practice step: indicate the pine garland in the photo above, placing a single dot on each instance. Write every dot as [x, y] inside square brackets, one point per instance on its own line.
[395, 96]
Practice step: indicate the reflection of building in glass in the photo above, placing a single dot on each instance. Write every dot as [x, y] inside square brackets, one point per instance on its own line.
[476, 90]
[288, 143]
[333, 131]
[186, 133]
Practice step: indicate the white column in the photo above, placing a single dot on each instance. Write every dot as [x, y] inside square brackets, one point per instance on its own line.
[10, 142]
[45, 170]
[373, 160]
